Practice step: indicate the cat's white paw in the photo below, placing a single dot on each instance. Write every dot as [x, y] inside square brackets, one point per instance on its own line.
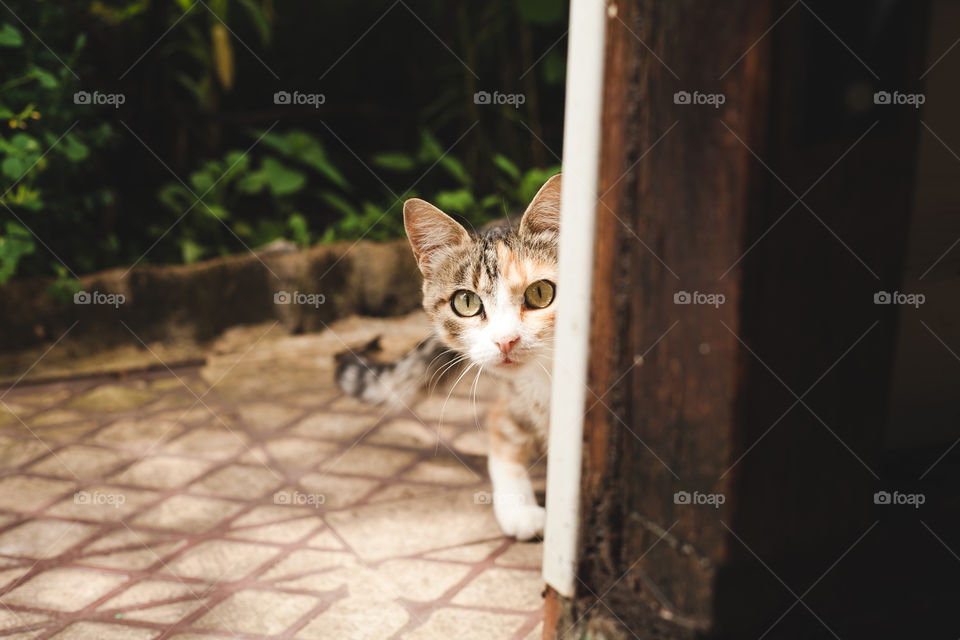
[522, 521]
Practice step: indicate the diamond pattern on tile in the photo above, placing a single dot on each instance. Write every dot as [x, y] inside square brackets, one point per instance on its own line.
[24, 493]
[84, 463]
[262, 612]
[370, 461]
[63, 589]
[421, 580]
[101, 631]
[354, 618]
[159, 518]
[101, 503]
[239, 481]
[42, 538]
[503, 589]
[410, 526]
[162, 472]
[464, 624]
[220, 560]
[188, 513]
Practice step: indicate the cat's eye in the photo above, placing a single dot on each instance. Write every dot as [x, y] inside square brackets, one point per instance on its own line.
[466, 303]
[539, 294]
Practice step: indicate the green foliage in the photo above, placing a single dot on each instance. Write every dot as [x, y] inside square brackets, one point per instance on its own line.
[231, 193]
[45, 151]
[77, 183]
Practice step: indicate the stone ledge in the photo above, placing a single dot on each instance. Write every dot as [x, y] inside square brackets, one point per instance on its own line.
[180, 309]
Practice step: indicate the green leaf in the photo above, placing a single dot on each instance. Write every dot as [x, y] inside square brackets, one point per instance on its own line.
[259, 19]
[394, 161]
[75, 150]
[202, 181]
[491, 200]
[14, 245]
[542, 11]
[554, 67]
[190, 251]
[339, 203]
[456, 169]
[458, 200]
[303, 147]
[282, 180]
[299, 229]
[10, 36]
[47, 79]
[215, 210]
[174, 197]
[12, 167]
[430, 149]
[25, 142]
[317, 159]
[252, 183]
[507, 166]
[237, 162]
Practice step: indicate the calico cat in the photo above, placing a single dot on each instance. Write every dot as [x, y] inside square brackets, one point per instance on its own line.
[491, 297]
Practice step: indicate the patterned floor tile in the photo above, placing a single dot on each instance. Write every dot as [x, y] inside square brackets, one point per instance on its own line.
[275, 508]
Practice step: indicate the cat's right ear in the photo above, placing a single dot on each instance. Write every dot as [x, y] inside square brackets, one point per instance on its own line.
[430, 231]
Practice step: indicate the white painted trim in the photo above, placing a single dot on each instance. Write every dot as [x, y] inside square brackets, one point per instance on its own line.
[581, 155]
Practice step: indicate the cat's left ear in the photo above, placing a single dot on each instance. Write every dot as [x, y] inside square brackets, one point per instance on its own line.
[543, 214]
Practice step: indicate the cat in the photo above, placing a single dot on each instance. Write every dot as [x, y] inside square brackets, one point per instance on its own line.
[491, 297]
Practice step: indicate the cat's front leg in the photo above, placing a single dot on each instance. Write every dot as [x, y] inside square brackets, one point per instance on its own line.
[514, 503]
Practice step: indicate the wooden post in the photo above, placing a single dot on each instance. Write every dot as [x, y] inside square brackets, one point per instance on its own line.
[737, 355]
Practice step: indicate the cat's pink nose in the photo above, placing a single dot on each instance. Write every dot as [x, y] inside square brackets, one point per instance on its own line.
[506, 344]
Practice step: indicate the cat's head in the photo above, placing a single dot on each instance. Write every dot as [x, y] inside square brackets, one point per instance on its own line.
[492, 294]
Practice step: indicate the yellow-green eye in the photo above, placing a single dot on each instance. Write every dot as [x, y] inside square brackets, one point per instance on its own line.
[466, 303]
[539, 294]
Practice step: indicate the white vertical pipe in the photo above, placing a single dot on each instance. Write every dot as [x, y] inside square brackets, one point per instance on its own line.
[581, 156]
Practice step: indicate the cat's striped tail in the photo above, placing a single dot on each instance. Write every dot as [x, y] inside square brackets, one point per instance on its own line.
[396, 382]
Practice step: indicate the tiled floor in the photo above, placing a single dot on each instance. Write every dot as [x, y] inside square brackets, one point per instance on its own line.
[248, 499]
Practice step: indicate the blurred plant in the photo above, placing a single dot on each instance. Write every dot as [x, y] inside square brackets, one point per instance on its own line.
[209, 46]
[514, 188]
[238, 188]
[48, 174]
